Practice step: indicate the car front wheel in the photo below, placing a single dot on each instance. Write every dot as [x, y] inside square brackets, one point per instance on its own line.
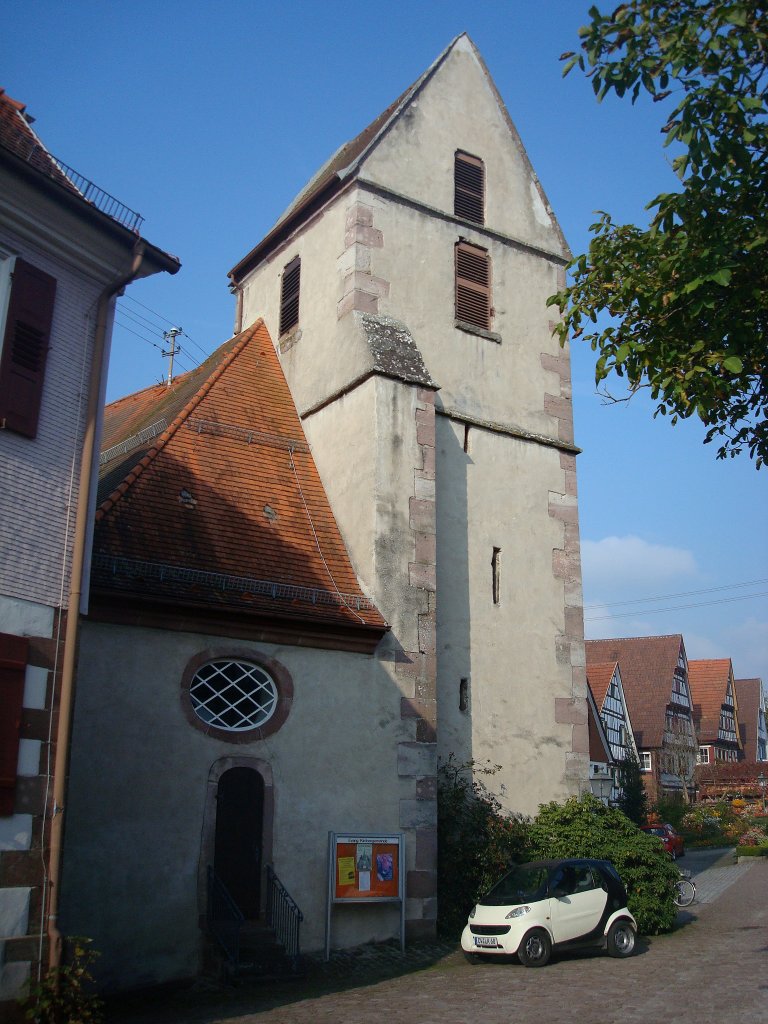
[535, 949]
[621, 939]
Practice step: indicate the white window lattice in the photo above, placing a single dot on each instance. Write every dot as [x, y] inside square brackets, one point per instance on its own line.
[233, 695]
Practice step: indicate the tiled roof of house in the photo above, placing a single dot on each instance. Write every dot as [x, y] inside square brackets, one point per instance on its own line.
[223, 507]
[647, 665]
[599, 677]
[708, 680]
[748, 698]
[17, 137]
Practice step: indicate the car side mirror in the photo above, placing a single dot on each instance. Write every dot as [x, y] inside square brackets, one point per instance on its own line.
[557, 891]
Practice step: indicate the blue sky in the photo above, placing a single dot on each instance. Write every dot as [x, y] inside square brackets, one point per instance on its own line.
[208, 117]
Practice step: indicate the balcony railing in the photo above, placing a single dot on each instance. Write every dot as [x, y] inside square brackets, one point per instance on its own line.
[100, 199]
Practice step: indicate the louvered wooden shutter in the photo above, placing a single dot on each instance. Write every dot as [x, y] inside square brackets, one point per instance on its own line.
[25, 348]
[473, 285]
[289, 296]
[13, 660]
[469, 188]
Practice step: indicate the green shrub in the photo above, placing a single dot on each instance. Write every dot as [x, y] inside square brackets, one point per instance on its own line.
[633, 800]
[587, 828]
[753, 851]
[476, 840]
[65, 995]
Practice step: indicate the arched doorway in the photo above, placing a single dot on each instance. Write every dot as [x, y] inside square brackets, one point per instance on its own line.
[239, 837]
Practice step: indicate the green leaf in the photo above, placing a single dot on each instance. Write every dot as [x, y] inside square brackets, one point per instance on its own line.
[733, 364]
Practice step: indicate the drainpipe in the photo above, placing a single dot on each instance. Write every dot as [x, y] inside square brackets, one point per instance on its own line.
[67, 692]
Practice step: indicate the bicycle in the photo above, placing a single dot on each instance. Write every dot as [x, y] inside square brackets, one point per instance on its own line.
[685, 890]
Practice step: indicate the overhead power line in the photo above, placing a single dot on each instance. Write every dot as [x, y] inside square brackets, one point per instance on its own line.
[674, 608]
[671, 597]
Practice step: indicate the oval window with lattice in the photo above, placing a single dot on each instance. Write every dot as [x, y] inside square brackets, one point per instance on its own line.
[233, 695]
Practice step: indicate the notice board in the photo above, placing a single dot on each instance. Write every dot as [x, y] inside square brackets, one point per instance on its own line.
[366, 867]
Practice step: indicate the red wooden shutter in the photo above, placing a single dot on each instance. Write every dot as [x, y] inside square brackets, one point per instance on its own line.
[473, 285]
[13, 661]
[289, 296]
[469, 188]
[25, 348]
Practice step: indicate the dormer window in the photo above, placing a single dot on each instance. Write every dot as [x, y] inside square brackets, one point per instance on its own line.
[469, 188]
[289, 296]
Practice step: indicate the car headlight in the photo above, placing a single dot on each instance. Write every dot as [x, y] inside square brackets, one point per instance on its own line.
[472, 912]
[518, 912]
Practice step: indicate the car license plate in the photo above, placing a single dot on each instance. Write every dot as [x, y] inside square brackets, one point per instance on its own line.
[486, 940]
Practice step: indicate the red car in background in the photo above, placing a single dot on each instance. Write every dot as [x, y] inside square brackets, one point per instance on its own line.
[671, 840]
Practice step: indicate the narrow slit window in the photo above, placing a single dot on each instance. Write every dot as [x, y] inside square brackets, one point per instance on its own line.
[473, 285]
[466, 438]
[496, 575]
[469, 188]
[464, 695]
[289, 296]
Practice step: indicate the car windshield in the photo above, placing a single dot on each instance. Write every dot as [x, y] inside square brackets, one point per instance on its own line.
[523, 884]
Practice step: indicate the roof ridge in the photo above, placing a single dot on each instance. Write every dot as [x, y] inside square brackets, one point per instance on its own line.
[110, 502]
[616, 639]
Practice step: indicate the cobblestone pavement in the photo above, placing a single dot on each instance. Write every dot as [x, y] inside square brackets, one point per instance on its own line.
[713, 967]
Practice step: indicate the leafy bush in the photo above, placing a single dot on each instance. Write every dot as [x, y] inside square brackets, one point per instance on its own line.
[65, 995]
[476, 840]
[587, 828]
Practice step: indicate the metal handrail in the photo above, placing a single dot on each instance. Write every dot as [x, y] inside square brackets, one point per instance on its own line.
[283, 915]
[99, 198]
[224, 917]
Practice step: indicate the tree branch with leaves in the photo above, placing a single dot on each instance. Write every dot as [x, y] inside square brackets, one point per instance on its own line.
[688, 295]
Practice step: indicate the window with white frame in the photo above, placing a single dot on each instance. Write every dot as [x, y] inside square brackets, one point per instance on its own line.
[645, 760]
[703, 755]
[233, 695]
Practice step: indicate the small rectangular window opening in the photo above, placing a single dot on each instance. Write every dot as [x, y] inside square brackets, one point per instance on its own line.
[466, 438]
[496, 575]
[469, 188]
[464, 695]
[289, 296]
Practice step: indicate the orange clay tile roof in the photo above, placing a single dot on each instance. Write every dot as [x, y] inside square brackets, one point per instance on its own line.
[224, 507]
[599, 677]
[647, 665]
[748, 699]
[708, 679]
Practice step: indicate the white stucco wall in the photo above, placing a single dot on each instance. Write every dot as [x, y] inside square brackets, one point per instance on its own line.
[496, 496]
[133, 842]
[386, 245]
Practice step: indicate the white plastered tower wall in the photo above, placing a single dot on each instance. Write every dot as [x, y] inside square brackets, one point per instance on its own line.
[419, 514]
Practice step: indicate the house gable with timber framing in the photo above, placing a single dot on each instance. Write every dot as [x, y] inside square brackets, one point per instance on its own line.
[654, 674]
[63, 258]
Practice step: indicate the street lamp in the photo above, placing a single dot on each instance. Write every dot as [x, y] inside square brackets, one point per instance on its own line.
[761, 781]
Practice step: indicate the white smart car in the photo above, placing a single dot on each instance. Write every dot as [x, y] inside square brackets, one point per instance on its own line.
[552, 904]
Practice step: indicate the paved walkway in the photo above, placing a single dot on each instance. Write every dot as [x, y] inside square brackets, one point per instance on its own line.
[713, 967]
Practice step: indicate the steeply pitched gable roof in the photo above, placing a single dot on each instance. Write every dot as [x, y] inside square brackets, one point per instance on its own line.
[346, 162]
[600, 676]
[224, 508]
[748, 693]
[708, 679]
[17, 137]
[647, 666]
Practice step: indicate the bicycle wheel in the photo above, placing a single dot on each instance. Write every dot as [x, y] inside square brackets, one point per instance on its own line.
[685, 893]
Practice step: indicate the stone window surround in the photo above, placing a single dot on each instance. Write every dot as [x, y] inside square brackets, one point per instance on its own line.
[282, 679]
